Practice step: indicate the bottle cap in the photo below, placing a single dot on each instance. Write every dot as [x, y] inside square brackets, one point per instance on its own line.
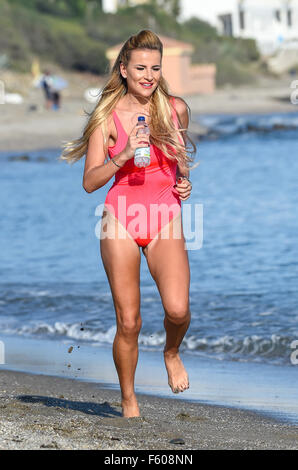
[141, 118]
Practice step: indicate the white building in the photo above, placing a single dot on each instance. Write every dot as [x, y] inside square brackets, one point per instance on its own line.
[111, 6]
[270, 22]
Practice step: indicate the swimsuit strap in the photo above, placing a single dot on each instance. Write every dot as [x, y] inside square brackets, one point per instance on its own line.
[120, 129]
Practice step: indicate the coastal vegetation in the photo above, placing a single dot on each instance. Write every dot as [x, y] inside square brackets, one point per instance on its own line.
[75, 34]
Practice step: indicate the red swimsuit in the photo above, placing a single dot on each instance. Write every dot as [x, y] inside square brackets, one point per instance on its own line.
[144, 200]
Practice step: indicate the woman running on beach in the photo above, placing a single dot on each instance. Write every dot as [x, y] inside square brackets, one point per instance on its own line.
[143, 206]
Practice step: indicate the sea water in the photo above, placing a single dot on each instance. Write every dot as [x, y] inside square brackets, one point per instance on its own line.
[243, 295]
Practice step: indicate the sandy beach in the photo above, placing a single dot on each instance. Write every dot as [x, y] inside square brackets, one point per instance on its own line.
[47, 412]
[29, 126]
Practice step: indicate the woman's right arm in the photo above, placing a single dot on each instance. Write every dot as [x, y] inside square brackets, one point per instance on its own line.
[96, 172]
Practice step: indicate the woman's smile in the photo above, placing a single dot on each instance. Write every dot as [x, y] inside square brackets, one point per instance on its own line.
[147, 85]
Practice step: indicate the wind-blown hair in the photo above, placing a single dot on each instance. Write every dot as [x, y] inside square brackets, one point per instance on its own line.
[163, 132]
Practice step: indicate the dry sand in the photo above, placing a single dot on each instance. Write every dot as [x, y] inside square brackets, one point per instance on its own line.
[47, 412]
[23, 128]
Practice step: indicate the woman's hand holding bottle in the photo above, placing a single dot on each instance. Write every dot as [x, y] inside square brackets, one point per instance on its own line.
[135, 140]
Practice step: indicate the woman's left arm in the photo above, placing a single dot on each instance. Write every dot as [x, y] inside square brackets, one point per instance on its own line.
[182, 174]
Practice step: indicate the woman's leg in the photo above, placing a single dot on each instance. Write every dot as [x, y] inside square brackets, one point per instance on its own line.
[168, 264]
[121, 259]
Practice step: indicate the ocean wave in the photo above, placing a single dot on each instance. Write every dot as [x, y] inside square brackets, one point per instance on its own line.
[219, 126]
[274, 347]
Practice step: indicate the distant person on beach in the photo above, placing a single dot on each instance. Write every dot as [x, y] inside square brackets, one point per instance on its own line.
[52, 95]
[137, 88]
[46, 83]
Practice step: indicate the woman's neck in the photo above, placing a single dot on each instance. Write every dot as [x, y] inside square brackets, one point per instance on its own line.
[135, 102]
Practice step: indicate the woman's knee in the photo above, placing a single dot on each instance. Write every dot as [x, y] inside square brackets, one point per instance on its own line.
[178, 314]
[129, 325]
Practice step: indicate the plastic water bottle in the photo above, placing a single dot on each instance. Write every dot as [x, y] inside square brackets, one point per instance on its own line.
[142, 154]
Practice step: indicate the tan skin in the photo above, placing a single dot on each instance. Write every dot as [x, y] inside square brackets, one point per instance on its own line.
[167, 259]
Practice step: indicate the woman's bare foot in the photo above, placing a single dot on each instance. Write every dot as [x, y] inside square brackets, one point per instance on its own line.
[130, 407]
[177, 375]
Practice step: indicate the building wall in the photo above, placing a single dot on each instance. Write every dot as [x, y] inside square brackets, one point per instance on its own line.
[187, 79]
[206, 10]
[260, 22]
[108, 6]
[111, 6]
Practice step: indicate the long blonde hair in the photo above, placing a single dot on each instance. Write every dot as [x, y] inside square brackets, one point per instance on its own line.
[163, 132]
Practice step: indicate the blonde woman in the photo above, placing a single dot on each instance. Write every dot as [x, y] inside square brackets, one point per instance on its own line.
[143, 206]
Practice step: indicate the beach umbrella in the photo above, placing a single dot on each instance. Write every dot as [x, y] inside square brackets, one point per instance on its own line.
[58, 83]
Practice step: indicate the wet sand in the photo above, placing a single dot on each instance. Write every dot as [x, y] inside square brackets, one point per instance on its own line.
[48, 412]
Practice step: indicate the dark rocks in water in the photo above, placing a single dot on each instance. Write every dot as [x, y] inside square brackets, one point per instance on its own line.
[217, 133]
[253, 128]
[274, 127]
[220, 126]
[23, 158]
[26, 158]
[283, 127]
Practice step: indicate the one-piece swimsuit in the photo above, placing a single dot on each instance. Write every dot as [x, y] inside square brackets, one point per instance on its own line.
[144, 200]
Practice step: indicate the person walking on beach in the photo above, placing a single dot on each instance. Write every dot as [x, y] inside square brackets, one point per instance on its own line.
[46, 84]
[52, 94]
[136, 88]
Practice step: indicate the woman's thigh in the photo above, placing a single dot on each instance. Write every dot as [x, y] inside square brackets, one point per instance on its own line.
[168, 263]
[121, 260]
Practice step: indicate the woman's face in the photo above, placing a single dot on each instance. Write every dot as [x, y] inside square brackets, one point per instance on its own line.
[142, 72]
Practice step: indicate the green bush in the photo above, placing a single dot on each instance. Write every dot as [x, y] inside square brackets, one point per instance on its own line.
[194, 29]
[232, 73]
[12, 41]
[63, 41]
[61, 8]
[72, 48]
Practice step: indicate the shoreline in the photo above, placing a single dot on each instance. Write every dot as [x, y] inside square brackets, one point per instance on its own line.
[261, 388]
[51, 133]
[30, 127]
[48, 412]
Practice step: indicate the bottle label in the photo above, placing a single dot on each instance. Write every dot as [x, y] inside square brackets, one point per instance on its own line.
[142, 152]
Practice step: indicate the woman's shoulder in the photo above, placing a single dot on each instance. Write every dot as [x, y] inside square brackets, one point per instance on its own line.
[179, 104]
[181, 108]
